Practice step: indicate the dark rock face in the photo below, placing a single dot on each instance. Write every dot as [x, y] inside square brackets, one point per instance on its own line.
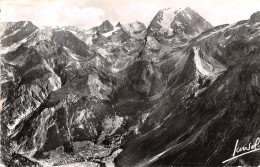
[179, 93]
[255, 16]
[68, 40]
[106, 26]
[16, 32]
[118, 24]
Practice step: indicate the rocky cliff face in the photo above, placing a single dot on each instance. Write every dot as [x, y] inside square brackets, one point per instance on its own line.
[130, 95]
[207, 104]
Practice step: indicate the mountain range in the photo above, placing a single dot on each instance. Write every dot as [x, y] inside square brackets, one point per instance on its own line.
[179, 92]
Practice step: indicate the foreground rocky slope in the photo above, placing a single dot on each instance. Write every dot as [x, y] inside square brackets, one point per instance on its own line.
[222, 107]
[125, 95]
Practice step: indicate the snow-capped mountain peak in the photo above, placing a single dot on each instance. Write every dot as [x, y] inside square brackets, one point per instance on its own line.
[177, 26]
[136, 29]
[166, 17]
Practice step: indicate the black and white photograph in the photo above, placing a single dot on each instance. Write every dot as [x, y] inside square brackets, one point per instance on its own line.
[129, 83]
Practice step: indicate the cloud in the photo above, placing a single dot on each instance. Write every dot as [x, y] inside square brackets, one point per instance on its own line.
[215, 11]
[53, 13]
[141, 11]
[89, 13]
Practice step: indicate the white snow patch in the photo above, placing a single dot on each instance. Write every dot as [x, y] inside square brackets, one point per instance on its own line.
[4, 50]
[111, 124]
[25, 23]
[19, 118]
[13, 33]
[198, 63]
[89, 41]
[107, 34]
[81, 126]
[144, 117]
[73, 55]
[104, 53]
[97, 61]
[199, 91]
[256, 24]
[167, 18]
[73, 32]
[206, 36]
[189, 16]
[222, 30]
[178, 23]
[114, 70]
[228, 37]
[157, 156]
[55, 82]
[80, 116]
[167, 116]
[83, 114]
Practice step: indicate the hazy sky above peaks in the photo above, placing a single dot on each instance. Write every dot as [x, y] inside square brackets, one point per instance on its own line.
[89, 13]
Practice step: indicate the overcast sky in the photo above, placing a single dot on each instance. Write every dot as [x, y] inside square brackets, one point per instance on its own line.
[89, 13]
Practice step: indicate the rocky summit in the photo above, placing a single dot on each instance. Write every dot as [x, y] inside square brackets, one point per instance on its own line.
[179, 92]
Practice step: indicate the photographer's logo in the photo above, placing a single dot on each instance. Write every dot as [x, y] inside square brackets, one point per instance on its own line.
[240, 151]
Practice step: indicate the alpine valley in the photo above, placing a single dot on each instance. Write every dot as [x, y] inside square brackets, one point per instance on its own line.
[179, 92]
